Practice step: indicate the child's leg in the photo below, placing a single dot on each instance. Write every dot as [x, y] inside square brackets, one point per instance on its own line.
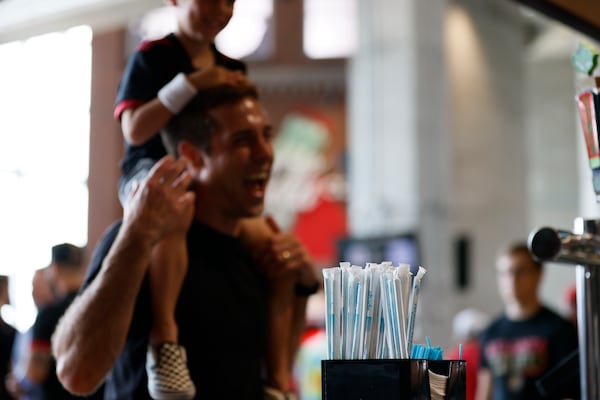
[280, 318]
[168, 267]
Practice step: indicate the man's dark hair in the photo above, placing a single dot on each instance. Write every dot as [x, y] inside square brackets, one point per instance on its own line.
[521, 247]
[67, 255]
[3, 283]
[194, 122]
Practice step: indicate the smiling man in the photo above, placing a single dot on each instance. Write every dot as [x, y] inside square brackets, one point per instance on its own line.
[229, 310]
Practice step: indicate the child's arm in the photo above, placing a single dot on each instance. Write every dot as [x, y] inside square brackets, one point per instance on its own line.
[142, 123]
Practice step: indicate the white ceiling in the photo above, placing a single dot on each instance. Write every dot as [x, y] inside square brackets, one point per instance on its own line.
[20, 19]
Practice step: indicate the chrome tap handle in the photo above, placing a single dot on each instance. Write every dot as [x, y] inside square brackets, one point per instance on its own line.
[548, 244]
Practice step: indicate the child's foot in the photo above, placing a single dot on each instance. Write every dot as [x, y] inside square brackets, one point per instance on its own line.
[168, 374]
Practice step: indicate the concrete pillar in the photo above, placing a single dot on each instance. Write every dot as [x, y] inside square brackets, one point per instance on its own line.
[485, 44]
[399, 171]
[437, 141]
[106, 140]
[552, 143]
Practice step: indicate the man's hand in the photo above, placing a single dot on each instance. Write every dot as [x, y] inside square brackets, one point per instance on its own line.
[162, 204]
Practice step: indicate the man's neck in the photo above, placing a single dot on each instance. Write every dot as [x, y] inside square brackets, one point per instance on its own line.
[519, 312]
[224, 226]
[68, 285]
[209, 211]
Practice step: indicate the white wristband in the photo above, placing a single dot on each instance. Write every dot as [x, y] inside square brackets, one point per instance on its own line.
[177, 93]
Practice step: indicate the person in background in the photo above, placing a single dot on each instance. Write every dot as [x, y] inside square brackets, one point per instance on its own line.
[7, 337]
[227, 312]
[66, 271]
[570, 303]
[467, 325]
[42, 293]
[528, 339]
[159, 79]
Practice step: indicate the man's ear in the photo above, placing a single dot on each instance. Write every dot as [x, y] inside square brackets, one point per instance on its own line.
[190, 151]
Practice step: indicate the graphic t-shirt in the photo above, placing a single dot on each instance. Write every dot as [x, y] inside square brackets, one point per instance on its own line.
[518, 353]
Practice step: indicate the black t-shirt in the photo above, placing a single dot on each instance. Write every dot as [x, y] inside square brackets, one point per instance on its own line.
[221, 314]
[7, 339]
[518, 353]
[43, 328]
[151, 67]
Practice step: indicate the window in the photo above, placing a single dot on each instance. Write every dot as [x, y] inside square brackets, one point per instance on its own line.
[44, 141]
[247, 29]
[242, 37]
[330, 28]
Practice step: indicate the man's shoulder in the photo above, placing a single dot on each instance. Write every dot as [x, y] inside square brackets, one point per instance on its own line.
[556, 323]
[106, 239]
[102, 248]
[549, 314]
[494, 327]
[496, 321]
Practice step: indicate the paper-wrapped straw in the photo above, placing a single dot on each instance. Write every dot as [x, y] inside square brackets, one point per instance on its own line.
[358, 281]
[381, 339]
[381, 344]
[372, 318]
[333, 329]
[399, 292]
[404, 275]
[389, 326]
[345, 276]
[350, 302]
[414, 299]
[386, 313]
[365, 314]
[391, 314]
[371, 311]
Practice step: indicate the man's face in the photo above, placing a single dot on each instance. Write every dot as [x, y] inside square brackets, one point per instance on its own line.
[41, 290]
[237, 167]
[518, 278]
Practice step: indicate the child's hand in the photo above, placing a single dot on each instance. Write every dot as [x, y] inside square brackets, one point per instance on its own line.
[279, 254]
[215, 76]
